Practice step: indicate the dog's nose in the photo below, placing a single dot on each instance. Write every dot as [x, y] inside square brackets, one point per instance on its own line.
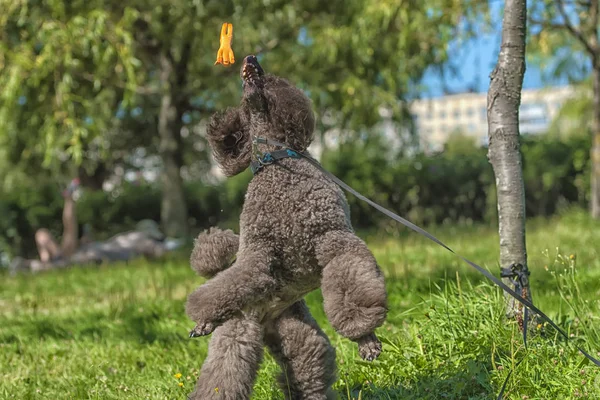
[251, 59]
[251, 67]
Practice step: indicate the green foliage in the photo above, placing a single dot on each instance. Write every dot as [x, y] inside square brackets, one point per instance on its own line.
[89, 84]
[63, 68]
[119, 209]
[445, 187]
[575, 115]
[553, 46]
[23, 212]
[556, 173]
[68, 68]
[458, 183]
[364, 55]
[453, 186]
[107, 213]
[120, 331]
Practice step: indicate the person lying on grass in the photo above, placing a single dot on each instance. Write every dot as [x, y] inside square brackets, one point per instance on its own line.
[146, 240]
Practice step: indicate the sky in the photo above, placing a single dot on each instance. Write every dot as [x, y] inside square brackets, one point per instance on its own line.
[478, 58]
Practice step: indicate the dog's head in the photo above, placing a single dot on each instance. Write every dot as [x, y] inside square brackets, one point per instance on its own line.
[284, 111]
[271, 108]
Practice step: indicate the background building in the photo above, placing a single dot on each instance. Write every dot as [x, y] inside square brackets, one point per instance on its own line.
[466, 113]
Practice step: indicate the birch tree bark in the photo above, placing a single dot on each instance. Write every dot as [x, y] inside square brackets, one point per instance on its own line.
[504, 99]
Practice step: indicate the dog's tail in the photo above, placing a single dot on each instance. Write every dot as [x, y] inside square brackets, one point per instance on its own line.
[214, 250]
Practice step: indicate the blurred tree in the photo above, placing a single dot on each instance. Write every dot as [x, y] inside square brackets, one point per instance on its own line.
[88, 81]
[368, 55]
[459, 143]
[504, 99]
[576, 114]
[569, 32]
[51, 104]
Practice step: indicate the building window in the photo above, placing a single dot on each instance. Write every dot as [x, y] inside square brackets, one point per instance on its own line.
[456, 114]
[442, 115]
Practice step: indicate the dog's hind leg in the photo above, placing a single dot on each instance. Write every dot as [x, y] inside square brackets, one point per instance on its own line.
[304, 353]
[353, 287]
[234, 355]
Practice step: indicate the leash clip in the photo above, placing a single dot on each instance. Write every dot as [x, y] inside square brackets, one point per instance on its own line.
[260, 157]
[519, 273]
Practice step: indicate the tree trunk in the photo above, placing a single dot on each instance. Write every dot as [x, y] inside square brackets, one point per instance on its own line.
[504, 99]
[595, 151]
[173, 212]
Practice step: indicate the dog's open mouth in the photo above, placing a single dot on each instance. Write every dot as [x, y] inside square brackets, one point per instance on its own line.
[251, 71]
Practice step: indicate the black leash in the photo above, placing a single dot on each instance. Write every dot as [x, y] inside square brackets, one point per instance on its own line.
[514, 271]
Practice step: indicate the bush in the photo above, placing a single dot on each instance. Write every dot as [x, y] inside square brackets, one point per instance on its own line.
[25, 210]
[556, 173]
[450, 186]
[119, 210]
[456, 185]
[107, 213]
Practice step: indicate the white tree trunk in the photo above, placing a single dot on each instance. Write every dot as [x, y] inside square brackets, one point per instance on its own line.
[504, 98]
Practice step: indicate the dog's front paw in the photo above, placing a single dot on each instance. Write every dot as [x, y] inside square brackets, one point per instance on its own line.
[203, 311]
[202, 329]
[369, 347]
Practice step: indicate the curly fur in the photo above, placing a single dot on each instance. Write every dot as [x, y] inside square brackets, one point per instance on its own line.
[234, 355]
[213, 251]
[283, 111]
[295, 236]
[304, 353]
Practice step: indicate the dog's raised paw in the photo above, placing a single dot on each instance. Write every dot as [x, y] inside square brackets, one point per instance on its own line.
[202, 329]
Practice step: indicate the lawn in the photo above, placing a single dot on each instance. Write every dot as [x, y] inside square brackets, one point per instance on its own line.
[120, 332]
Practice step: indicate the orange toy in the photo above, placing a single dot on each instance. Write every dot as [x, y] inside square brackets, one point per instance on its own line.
[225, 54]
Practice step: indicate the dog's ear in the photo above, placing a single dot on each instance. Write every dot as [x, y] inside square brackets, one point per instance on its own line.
[291, 114]
[230, 141]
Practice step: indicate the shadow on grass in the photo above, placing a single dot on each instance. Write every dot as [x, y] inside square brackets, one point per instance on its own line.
[140, 323]
[471, 382]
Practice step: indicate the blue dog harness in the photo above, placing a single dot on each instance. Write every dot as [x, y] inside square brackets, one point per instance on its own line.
[262, 159]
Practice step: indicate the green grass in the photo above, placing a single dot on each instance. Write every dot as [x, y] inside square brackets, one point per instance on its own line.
[120, 332]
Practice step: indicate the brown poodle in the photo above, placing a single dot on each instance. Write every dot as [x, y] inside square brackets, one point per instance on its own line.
[295, 236]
